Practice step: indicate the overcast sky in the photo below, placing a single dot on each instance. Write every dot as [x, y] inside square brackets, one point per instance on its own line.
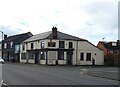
[87, 19]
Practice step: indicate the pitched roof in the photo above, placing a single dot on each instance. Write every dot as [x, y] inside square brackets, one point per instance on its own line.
[64, 36]
[48, 35]
[18, 38]
[38, 36]
[108, 45]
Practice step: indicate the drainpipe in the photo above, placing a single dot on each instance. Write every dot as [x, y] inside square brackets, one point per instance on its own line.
[27, 57]
[77, 53]
[46, 58]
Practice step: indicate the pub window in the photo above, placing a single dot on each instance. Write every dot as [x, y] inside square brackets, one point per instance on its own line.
[88, 57]
[114, 44]
[42, 56]
[32, 45]
[70, 45]
[51, 44]
[5, 45]
[82, 56]
[23, 55]
[61, 44]
[31, 56]
[11, 44]
[60, 55]
[42, 44]
[23, 47]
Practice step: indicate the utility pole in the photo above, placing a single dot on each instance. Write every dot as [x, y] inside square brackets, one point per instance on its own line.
[2, 44]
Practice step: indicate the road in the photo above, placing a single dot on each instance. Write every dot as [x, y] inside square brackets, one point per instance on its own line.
[31, 74]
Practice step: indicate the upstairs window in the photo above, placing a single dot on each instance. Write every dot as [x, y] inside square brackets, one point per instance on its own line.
[23, 47]
[42, 44]
[51, 44]
[5, 45]
[32, 45]
[11, 44]
[61, 44]
[70, 45]
[114, 44]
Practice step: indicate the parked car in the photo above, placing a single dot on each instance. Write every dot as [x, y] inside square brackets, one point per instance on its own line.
[1, 60]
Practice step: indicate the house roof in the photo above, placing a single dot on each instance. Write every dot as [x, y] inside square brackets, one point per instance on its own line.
[108, 45]
[48, 35]
[17, 38]
[38, 36]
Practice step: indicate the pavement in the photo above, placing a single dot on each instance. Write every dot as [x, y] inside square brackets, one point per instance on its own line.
[112, 75]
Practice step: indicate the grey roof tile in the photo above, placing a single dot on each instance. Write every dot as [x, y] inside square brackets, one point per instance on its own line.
[48, 35]
[38, 36]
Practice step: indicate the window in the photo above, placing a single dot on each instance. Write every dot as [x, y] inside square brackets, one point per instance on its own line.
[51, 44]
[23, 56]
[32, 45]
[42, 44]
[5, 45]
[114, 44]
[70, 45]
[11, 44]
[60, 55]
[42, 55]
[0, 46]
[17, 48]
[31, 55]
[23, 47]
[61, 44]
[82, 56]
[88, 57]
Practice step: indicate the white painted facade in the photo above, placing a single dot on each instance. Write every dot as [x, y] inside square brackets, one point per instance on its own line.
[78, 46]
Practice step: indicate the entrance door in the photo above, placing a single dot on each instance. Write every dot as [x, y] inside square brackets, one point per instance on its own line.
[69, 58]
[37, 58]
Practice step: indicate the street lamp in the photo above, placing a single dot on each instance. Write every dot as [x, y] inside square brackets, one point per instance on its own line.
[2, 44]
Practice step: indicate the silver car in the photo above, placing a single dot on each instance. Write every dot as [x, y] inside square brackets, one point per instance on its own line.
[1, 60]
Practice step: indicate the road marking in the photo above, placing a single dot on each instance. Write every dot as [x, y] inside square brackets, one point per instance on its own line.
[83, 71]
[2, 82]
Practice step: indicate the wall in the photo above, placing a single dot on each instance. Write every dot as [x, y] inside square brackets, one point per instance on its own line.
[86, 47]
[79, 46]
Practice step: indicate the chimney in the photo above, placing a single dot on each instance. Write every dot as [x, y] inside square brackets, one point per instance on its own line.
[54, 32]
[118, 42]
[5, 36]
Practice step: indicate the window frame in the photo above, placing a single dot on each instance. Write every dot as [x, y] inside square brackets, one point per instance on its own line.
[61, 44]
[81, 56]
[88, 56]
[70, 44]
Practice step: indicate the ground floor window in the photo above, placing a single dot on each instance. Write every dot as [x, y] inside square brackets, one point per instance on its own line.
[81, 56]
[23, 55]
[88, 57]
[60, 55]
[42, 55]
[31, 55]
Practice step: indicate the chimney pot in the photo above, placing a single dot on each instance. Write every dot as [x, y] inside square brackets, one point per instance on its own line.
[54, 32]
[5, 36]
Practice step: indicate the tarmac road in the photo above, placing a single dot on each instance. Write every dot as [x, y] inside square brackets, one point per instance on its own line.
[31, 74]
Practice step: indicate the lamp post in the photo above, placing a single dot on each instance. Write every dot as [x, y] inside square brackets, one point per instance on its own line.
[2, 44]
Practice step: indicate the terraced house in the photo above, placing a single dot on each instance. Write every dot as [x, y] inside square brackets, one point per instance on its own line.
[11, 46]
[57, 48]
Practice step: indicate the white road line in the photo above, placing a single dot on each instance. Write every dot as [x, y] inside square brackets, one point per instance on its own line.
[2, 82]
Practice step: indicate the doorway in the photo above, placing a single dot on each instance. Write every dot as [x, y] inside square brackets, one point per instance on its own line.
[69, 58]
[37, 58]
